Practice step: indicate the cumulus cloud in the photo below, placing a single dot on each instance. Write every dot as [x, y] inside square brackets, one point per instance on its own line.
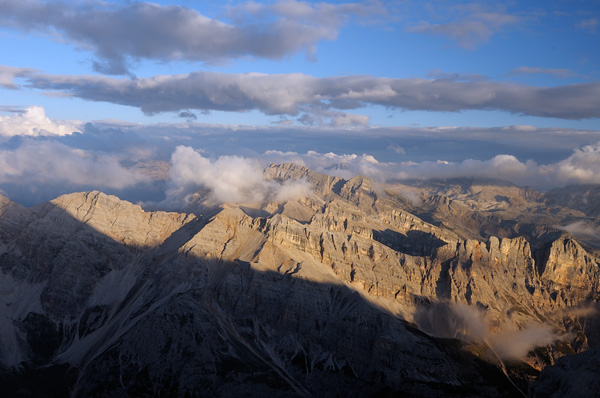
[289, 94]
[33, 122]
[121, 34]
[583, 166]
[229, 179]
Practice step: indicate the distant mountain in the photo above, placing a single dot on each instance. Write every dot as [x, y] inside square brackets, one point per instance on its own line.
[585, 198]
[453, 289]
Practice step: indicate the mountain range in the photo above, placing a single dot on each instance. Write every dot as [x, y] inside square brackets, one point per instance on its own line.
[457, 288]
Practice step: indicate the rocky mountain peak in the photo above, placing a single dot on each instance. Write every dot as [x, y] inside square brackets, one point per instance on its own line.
[112, 217]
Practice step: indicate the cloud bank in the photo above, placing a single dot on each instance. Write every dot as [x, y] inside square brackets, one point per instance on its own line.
[149, 162]
[291, 94]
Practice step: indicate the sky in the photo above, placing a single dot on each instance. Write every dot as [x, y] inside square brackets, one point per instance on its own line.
[151, 101]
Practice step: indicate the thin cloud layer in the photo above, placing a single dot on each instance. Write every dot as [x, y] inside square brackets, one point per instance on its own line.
[469, 25]
[289, 94]
[527, 70]
[120, 35]
[33, 121]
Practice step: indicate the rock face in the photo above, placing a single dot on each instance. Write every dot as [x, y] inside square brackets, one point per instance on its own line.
[347, 291]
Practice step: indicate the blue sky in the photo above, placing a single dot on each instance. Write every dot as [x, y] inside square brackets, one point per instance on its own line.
[371, 78]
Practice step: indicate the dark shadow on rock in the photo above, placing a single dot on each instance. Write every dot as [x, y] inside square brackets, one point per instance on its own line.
[172, 324]
[574, 375]
[414, 243]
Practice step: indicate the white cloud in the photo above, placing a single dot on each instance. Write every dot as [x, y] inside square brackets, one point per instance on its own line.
[582, 167]
[34, 122]
[230, 179]
[44, 163]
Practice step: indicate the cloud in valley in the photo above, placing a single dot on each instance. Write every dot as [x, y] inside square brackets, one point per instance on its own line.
[516, 344]
[582, 229]
[467, 323]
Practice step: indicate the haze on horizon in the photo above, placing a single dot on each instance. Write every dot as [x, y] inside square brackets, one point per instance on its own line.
[147, 99]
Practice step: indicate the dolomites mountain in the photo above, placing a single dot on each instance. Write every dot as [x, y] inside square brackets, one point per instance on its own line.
[461, 288]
